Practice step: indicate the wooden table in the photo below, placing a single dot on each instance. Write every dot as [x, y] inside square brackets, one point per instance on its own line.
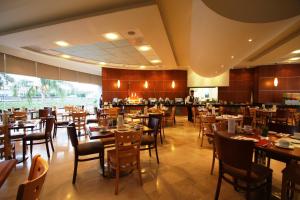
[31, 124]
[272, 151]
[5, 169]
[238, 119]
[95, 133]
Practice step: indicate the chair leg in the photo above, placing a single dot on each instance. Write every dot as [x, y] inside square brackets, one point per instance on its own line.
[117, 180]
[149, 147]
[75, 169]
[101, 155]
[161, 140]
[202, 137]
[47, 147]
[269, 187]
[213, 163]
[51, 142]
[55, 131]
[218, 185]
[139, 171]
[31, 144]
[156, 152]
[248, 192]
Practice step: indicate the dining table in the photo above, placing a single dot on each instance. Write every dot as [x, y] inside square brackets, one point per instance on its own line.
[24, 125]
[238, 118]
[5, 169]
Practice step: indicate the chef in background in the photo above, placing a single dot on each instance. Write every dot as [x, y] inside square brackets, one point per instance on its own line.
[189, 101]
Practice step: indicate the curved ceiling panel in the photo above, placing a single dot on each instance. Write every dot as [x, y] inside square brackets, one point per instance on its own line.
[255, 11]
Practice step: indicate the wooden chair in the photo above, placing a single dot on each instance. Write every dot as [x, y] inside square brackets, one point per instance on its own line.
[235, 160]
[170, 117]
[43, 114]
[126, 155]
[12, 150]
[252, 113]
[32, 187]
[196, 115]
[85, 149]
[220, 126]
[282, 116]
[290, 179]
[43, 137]
[206, 126]
[19, 115]
[149, 141]
[58, 123]
[113, 112]
[79, 119]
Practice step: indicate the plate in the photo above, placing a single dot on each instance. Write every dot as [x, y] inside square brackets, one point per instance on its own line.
[284, 147]
[297, 138]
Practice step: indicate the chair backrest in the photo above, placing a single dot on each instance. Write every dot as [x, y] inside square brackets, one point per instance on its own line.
[220, 126]
[252, 112]
[19, 115]
[282, 113]
[73, 135]
[154, 122]
[127, 146]
[31, 188]
[283, 128]
[234, 153]
[49, 125]
[206, 122]
[113, 112]
[79, 117]
[53, 113]
[43, 113]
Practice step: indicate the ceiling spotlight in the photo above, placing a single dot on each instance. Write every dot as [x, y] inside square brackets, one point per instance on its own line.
[250, 40]
[142, 67]
[222, 66]
[232, 57]
[296, 51]
[155, 61]
[144, 48]
[65, 56]
[102, 63]
[111, 36]
[294, 59]
[62, 43]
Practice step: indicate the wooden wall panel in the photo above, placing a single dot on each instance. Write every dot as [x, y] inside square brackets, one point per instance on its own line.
[132, 81]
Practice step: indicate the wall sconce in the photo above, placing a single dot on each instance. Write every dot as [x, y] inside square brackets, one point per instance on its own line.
[275, 81]
[173, 84]
[146, 84]
[119, 84]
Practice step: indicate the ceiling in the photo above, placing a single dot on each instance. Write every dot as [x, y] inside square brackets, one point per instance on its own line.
[208, 36]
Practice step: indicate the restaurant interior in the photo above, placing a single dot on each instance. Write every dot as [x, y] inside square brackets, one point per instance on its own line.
[150, 99]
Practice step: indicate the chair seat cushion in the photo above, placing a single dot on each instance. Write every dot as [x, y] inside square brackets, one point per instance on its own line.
[147, 139]
[259, 173]
[90, 148]
[35, 136]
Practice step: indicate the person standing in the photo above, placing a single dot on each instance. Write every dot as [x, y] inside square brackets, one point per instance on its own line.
[189, 103]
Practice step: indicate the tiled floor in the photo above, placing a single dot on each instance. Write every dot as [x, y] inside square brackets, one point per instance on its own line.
[184, 172]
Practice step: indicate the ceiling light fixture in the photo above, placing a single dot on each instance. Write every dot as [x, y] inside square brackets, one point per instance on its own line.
[250, 40]
[155, 61]
[102, 63]
[65, 56]
[142, 67]
[222, 66]
[232, 57]
[296, 51]
[111, 36]
[294, 59]
[62, 43]
[144, 48]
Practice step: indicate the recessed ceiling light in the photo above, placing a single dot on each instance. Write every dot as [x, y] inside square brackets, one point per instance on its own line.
[232, 57]
[294, 59]
[65, 56]
[144, 48]
[62, 43]
[102, 63]
[111, 36]
[296, 51]
[222, 66]
[142, 67]
[250, 40]
[155, 61]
